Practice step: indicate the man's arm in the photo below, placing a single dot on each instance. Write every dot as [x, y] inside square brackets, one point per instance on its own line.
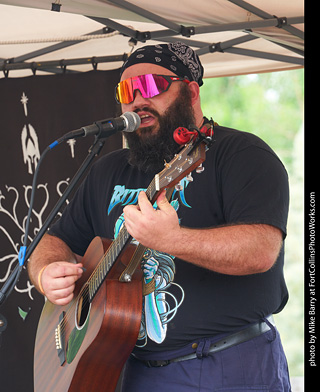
[59, 269]
[233, 250]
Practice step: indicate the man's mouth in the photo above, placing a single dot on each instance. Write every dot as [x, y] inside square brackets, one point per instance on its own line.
[146, 119]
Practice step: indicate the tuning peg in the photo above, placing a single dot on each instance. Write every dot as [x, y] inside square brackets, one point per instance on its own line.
[178, 187]
[189, 177]
[166, 164]
[200, 169]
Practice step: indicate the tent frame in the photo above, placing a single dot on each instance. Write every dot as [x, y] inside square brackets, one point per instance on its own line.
[173, 33]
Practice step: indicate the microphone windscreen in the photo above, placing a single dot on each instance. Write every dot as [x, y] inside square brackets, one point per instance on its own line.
[132, 121]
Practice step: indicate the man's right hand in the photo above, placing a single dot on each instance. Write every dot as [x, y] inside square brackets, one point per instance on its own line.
[58, 281]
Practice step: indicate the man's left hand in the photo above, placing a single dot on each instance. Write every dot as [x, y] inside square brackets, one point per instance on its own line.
[155, 229]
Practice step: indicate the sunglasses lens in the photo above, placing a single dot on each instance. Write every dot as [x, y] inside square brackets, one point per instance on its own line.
[124, 92]
[153, 85]
[149, 86]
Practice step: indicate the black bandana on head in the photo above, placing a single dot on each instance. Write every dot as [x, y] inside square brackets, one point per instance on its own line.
[176, 57]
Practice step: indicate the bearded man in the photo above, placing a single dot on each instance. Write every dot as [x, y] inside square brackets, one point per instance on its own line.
[215, 254]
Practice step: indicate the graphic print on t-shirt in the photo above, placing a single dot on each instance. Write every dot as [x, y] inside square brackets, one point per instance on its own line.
[159, 304]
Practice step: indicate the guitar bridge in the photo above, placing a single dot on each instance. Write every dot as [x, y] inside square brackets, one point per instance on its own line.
[59, 334]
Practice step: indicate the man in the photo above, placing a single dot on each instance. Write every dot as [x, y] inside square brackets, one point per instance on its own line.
[215, 253]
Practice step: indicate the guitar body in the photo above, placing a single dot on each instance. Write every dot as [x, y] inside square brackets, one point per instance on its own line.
[83, 346]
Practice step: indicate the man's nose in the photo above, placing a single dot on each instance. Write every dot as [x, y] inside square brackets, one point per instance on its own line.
[139, 100]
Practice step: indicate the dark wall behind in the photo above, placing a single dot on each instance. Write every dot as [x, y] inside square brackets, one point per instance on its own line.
[34, 112]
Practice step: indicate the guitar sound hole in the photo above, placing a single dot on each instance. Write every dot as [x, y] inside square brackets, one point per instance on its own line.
[83, 308]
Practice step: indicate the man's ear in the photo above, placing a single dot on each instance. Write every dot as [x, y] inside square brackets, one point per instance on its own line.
[195, 91]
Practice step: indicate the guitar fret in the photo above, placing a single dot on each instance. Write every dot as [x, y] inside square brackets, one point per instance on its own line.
[90, 289]
[104, 268]
[96, 280]
[110, 260]
[100, 275]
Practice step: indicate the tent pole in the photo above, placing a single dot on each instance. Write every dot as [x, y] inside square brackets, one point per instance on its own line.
[203, 29]
[114, 25]
[228, 46]
[264, 55]
[265, 15]
[44, 65]
[223, 46]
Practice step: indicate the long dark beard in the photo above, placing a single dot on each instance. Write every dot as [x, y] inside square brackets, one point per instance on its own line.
[148, 151]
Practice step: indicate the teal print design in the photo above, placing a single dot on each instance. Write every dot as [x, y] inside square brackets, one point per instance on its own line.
[159, 306]
[157, 311]
[124, 196]
[184, 183]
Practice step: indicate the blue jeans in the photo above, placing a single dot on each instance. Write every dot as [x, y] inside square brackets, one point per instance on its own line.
[256, 365]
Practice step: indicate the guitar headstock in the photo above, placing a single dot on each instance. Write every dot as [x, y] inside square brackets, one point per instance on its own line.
[190, 157]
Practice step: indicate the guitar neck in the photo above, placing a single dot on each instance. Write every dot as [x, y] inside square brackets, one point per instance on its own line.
[117, 246]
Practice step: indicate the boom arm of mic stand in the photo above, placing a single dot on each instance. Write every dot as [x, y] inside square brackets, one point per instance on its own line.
[13, 278]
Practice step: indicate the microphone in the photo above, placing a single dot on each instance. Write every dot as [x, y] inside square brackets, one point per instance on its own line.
[127, 122]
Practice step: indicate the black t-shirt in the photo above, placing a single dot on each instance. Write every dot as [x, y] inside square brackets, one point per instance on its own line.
[244, 182]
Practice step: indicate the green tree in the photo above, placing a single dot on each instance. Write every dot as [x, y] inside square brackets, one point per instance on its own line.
[270, 105]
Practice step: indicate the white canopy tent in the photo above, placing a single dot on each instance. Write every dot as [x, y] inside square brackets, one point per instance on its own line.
[43, 37]
[232, 37]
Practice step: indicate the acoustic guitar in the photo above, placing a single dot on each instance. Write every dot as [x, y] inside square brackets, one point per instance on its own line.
[84, 345]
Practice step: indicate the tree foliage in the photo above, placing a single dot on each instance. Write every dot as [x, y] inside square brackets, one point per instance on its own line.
[271, 105]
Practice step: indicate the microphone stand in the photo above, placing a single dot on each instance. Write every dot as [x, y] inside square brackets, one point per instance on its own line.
[93, 152]
[14, 277]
